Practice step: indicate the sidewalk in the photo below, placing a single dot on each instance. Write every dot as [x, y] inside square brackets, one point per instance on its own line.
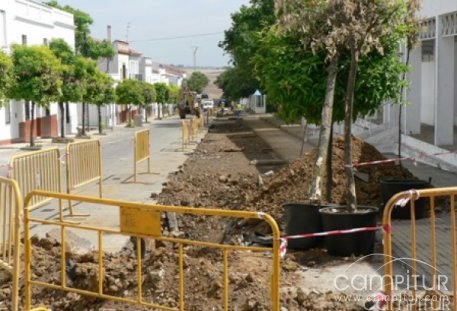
[286, 141]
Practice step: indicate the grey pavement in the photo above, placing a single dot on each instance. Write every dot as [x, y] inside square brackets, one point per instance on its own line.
[117, 171]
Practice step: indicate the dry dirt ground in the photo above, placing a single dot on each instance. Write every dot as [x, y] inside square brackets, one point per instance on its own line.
[230, 169]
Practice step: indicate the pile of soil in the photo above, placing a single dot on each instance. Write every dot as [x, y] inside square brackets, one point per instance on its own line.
[290, 184]
[203, 279]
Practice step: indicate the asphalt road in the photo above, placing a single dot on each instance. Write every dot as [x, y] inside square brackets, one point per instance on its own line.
[117, 171]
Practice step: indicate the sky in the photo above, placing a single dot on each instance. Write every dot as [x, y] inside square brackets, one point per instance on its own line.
[155, 19]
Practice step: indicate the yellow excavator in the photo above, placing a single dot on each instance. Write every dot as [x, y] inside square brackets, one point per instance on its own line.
[189, 104]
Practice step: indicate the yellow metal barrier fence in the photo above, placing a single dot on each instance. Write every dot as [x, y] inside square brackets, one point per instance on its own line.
[141, 151]
[84, 165]
[143, 221]
[38, 170]
[10, 224]
[185, 124]
[431, 195]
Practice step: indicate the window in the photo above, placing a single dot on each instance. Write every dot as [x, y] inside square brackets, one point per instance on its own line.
[2, 29]
[7, 114]
[45, 41]
[24, 39]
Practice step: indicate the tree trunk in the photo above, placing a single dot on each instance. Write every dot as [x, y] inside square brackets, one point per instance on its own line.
[329, 185]
[87, 118]
[99, 111]
[315, 189]
[351, 198]
[62, 119]
[408, 52]
[146, 115]
[159, 111]
[83, 125]
[32, 125]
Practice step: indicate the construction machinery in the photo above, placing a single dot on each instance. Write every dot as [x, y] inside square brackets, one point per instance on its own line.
[188, 104]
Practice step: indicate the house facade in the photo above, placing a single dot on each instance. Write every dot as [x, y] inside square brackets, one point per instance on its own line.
[30, 23]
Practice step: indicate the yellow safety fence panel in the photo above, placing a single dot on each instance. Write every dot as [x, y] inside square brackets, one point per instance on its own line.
[431, 196]
[84, 166]
[38, 170]
[10, 224]
[143, 221]
[141, 150]
[185, 124]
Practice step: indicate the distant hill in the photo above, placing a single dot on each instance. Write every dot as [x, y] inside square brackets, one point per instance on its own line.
[212, 73]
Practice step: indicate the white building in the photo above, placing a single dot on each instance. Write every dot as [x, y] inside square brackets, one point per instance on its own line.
[429, 121]
[31, 23]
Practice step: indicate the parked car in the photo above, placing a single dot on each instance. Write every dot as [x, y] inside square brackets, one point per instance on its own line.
[207, 104]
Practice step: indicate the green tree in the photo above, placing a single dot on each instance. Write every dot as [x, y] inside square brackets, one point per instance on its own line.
[236, 84]
[344, 29]
[241, 42]
[100, 92]
[149, 95]
[162, 96]
[174, 93]
[36, 78]
[129, 92]
[364, 25]
[85, 45]
[197, 82]
[86, 69]
[72, 77]
[6, 67]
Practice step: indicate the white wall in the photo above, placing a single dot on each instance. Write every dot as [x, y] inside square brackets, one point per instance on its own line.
[428, 93]
[39, 23]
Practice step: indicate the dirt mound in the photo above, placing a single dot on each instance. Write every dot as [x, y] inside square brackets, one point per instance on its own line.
[290, 184]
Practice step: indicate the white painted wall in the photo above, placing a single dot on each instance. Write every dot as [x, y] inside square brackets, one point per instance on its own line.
[38, 23]
[428, 93]
[432, 8]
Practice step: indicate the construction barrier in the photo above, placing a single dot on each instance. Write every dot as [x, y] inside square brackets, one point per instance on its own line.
[143, 221]
[10, 224]
[84, 166]
[141, 151]
[185, 125]
[399, 200]
[38, 170]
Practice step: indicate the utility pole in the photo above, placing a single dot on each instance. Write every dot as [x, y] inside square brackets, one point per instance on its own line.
[127, 32]
[194, 52]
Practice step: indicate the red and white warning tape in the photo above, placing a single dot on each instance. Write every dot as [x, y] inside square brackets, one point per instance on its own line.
[283, 244]
[421, 155]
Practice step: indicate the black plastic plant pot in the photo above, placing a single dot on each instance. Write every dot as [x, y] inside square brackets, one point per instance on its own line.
[391, 187]
[360, 243]
[303, 218]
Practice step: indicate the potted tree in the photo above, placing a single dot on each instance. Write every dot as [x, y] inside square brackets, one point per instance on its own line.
[364, 25]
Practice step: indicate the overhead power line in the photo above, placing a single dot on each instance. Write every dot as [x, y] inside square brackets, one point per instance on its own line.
[179, 37]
